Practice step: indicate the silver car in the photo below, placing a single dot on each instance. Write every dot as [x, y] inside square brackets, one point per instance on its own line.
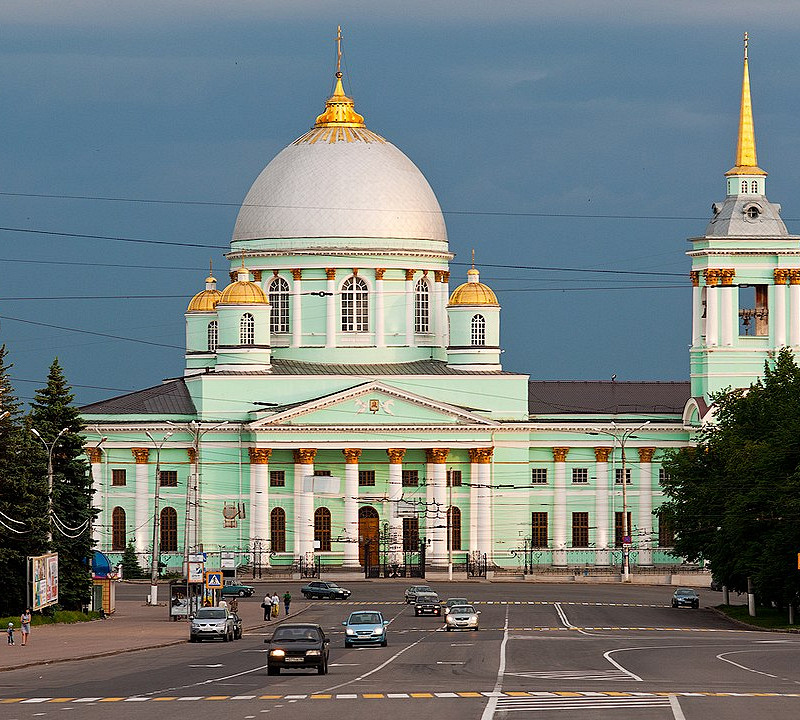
[462, 617]
[212, 623]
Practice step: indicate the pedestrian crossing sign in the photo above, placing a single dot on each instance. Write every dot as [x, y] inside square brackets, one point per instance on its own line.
[213, 579]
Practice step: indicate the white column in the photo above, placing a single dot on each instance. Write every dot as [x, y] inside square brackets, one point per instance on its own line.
[697, 310]
[409, 308]
[444, 335]
[330, 308]
[485, 534]
[645, 534]
[726, 314]
[602, 485]
[96, 459]
[297, 308]
[303, 502]
[780, 310]
[380, 321]
[475, 498]
[560, 506]
[794, 310]
[436, 530]
[351, 506]
[395, 494]
[712, 313]
[259, 502]
[143, 522]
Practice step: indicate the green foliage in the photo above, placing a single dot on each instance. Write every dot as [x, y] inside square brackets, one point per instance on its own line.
[59, 616]
[131, 569]
[734, 500]
[766, 617]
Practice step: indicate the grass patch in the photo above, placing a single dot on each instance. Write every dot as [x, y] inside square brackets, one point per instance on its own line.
[768, 618]
[59, 616]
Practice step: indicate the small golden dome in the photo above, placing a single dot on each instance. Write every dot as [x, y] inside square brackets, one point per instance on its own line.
[473, 292]
[204, 301]
[243, 292]
[339, 109]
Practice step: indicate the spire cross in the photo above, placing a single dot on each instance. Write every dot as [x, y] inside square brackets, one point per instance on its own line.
[745, 45]
[210, 266]
[338, 51]
[473, 257]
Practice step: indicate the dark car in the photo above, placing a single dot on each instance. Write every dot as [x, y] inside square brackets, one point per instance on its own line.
[231, 588]
[297, 645]
[685, 597]
[427, 603]
[324, 590]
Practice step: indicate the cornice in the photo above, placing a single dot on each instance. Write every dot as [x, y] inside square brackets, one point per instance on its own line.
[338, 252]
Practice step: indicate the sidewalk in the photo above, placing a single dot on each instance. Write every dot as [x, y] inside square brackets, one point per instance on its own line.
[134, 626]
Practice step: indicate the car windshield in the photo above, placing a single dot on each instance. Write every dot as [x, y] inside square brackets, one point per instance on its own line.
[292, 634]
[331, 585]
[684, 592]
[211, 614]
[463, 610]
[365, 618]
[457, 601]
[427, 596]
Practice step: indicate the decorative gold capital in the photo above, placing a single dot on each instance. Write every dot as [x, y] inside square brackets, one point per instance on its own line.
[794, 277]
[395, 455]
[351, 455]
[192, 453]
[437, 275]
[781, 276]
[446, 276]
[646, 454]
[305, 456]
[712, 276]
[727, 276]
[480, 456]
[410, 274]
[379, 273]
[260, 456]
[437, 456]
[256, 275]
[274, 273]
[330, 273]
[297, 274]
[355, 272]
[560, 454]
[601, 454]
[95, 455]
[695, 276]
[140, 455]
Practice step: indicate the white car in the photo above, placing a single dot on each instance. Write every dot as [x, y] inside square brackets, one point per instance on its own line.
[462, 617]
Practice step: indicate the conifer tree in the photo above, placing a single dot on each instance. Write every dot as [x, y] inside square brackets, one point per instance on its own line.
[72, 514]
[131, 569]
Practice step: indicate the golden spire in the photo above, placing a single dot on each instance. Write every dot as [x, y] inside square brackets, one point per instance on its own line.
[339, 109]
[746, 161]
[211, 278]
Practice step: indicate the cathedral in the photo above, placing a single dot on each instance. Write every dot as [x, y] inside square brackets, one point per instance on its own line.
[344, 406]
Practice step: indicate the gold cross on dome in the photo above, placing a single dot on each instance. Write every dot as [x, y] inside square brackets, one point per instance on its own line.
[745, 45]
[338, 51]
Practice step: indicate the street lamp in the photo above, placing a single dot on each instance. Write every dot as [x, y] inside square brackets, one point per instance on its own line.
[622, 436]
[49, 447]
[156, 519]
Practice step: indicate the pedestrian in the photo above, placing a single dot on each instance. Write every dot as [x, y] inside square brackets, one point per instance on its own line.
[234, 605]
[10, 633]
[25, 625]
[276, 605]
[287, 600]
[267, 605]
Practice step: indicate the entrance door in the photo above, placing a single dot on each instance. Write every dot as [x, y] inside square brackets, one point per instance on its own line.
[368, 534]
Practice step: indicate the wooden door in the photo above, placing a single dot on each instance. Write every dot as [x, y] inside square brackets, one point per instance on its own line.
[368, 534]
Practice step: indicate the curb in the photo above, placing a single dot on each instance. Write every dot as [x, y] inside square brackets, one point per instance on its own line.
[748, 626]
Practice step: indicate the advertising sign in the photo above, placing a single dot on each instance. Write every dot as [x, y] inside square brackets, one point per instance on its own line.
[196, 572]
[227, 560]
[44, 580]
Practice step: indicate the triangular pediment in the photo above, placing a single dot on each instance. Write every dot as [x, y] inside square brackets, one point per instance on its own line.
[373, 403]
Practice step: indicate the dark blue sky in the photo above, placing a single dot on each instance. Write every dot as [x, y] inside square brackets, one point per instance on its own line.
[519, 114]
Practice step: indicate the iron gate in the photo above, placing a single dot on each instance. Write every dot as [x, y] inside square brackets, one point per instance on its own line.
[477, 563]
[309, 566]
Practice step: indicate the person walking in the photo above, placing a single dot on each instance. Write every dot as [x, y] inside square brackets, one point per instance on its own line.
[10, 633]
[287, 600]
[267, 605]
[25, 625]
[276, 605]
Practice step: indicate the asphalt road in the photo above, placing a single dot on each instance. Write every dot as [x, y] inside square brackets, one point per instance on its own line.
[543, 651]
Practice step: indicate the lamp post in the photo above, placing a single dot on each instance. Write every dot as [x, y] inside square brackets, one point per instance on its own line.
[622, 436]
[156, 519]
[49, 447]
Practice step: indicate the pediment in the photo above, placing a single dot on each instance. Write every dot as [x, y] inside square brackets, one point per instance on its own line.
[373, 403]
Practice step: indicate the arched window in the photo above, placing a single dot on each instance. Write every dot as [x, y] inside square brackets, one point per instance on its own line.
[277, 529]
[355, 305]
[753, 186]
[454, 528]
[213, 336]
[169, 530]
[744, 186]
[422, 307]
[478, 330]
[119, 537]
[279, 306]
[322, 528]
[247, 330]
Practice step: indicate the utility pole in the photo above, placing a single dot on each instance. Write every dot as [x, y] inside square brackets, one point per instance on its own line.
[49, 447]
[156, 519]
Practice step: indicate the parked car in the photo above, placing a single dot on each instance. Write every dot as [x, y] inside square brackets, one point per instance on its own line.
[231, 587]
[325, 590]
[237, 626]
[411, 593]
[365, 627]
[451, 602]
[685, 596]
[297, 645]
[427, 603]
[212, 623]
[462, 617]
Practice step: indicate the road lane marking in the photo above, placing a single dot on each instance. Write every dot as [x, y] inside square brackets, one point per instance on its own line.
[722, 657]
[488, 711]
[677, 712]
[217, 665]
[607, 656]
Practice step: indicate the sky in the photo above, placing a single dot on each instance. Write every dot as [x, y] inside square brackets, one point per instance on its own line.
[561, 139]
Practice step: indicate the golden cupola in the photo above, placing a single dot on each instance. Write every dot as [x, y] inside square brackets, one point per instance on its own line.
[243, 291]
[339, 109]
[206, 300]
[473, 292]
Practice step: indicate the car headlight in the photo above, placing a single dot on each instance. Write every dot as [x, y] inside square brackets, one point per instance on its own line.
[277, 653]
[473, 620]
[349, 631]
[312, 652]
[378, 630]
[450, 620]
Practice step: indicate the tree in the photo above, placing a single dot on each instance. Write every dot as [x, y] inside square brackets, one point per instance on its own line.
[72, 512]
[131, 569]
[734, 499]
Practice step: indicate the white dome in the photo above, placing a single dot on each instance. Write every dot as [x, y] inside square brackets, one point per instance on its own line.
[341, 182]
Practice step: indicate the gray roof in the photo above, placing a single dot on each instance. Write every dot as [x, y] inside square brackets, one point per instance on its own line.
[605, 397]
[419, 367]
[731, 218]
[169, 398]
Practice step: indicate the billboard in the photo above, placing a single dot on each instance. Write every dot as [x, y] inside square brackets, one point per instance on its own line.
[44, 580]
